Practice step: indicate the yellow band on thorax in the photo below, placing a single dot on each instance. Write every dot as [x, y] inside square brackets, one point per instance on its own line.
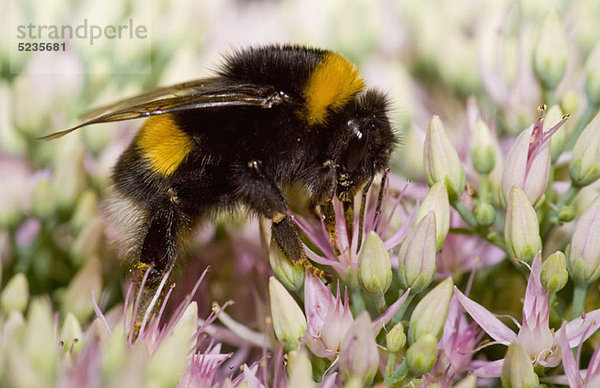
[163, 144]
[330, 86]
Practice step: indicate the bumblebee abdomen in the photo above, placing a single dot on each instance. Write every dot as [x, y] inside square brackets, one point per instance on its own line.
[163, 144]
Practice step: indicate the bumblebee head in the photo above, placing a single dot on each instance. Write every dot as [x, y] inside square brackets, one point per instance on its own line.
[365, 144]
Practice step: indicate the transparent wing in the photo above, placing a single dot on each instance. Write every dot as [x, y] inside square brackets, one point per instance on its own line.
[199, 94]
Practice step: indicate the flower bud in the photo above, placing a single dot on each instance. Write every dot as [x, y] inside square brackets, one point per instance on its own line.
[551, 51]
[411, 163]
[40, 344]
[289, 322]
[592, 76]
[441, 160]
[468, 382]
[167, 363]
[531, 175]
[554, 272]
[299, 369]
[437, 200]
[359, 356]
[553, 116]
[585, 163]
[584, 256]
[42, 202]
[430, 314]
[374, 265]
[77, 296]
[290, 275]
[566, 213]
[395, 339]
[569, 102]
[517, 370]
[485, 214]
[71, 335]
[521, 229]
[416, 259]
[15, 294]
[421, 355]
[483, 152]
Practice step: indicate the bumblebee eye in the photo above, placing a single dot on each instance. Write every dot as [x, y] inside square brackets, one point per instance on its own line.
[356, 150]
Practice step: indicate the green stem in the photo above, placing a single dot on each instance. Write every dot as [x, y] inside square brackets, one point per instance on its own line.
[484, 187]
[380, 303]
[579, 293]
[548, 95]
[466, 214]
[551, 218]
[399, 375]
[400, 314]
[389, 367]
[588, 115]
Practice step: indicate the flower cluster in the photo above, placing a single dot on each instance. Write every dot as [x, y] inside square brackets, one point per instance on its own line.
[475, 261]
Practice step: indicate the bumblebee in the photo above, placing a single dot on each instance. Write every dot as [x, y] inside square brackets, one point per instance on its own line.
[272, 117]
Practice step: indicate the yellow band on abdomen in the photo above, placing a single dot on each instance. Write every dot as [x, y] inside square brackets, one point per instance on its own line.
[163, 144]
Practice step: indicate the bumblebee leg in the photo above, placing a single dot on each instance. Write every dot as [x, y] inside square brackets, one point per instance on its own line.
[261, 193]
[158, 254]
[322, 201]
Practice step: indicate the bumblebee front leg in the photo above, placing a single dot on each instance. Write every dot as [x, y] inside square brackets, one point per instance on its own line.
[322, 201]
[260, 192]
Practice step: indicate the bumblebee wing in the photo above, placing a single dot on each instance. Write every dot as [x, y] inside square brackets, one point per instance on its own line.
[199, 94]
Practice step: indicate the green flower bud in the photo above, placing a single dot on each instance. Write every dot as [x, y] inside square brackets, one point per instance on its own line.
[441, 160]
[290, 275]
[374, 265]
[468, 382]
[395, 339]
[566, 213]
[483, 152]
[88, 242]
[592, 76]
[554, 272]
[42, 203]
[431, 312]
[553, 116]
[421, 356]
[437, 201]
[569, 102]
[15, 295]
[551, 51]
[71, 335]
[359, 356]
[299, 369]
[86, 209]
[416, 259]
[77, 296]
[521, 230]
[485, 214]
[411, 163]
[168, 362]
[517, 371]
[289, 322]
[40, 345]
[585, 163]
[584, 255]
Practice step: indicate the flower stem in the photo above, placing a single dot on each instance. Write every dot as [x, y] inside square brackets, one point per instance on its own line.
[548, 95]
[466, 214]
[389, 368]
[579, 293]
[551, 218]
[380, 303]
[484, 187]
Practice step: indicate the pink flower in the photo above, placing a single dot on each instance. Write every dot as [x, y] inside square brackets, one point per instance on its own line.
[328, 318]
[528, 161]
[535, 336]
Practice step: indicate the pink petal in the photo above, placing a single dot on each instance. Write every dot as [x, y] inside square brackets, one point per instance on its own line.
[384, 318]
[329, 381]
[489, 369]
[486, 320]
[580, 329]
[570, 366]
